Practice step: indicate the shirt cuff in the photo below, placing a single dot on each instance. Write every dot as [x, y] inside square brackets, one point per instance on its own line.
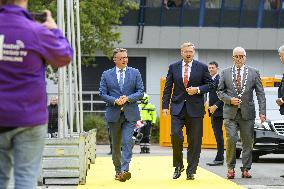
[198, 90]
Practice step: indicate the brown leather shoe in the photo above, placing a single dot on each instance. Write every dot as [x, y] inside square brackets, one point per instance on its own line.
[126, 175]
[231, 174]
[119, 177]
[245, 174]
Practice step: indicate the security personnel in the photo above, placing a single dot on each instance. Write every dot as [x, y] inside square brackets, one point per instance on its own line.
[148, 115]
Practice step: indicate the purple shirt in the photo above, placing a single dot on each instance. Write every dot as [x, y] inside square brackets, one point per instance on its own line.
[25, 46]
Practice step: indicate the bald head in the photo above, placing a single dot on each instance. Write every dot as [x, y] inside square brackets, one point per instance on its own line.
[53, 100]
[281, 53]
[238, 50]
[239, 56]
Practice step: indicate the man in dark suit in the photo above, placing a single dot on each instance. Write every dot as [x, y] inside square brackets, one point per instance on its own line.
[189, 80]
[121, 87]
[280, 100]
[216, 113]
[236, 88]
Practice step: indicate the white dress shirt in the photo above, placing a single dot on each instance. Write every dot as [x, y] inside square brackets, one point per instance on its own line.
[118, 74]
[241, 72]
[214, 76]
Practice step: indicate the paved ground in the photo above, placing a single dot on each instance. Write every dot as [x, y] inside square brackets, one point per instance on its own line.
[266, 173]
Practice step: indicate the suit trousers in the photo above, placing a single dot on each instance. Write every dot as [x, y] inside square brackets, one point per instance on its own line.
[217, 123]
[246, 132]
[194, 131]
[122, 143]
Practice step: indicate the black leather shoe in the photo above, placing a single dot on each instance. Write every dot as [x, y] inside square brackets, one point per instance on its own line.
[177, 172]
[189, 176]
[215, 163]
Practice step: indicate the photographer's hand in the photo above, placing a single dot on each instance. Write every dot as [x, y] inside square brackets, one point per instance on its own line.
[49, 23]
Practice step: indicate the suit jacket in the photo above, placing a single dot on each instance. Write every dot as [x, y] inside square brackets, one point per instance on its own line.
[214, 100]
[110, 91]
[227, 90]
[199, 77]
[281, 95]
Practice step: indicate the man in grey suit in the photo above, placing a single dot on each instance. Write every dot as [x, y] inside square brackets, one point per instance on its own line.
[280, 99]
[121, 87]
[235, 89]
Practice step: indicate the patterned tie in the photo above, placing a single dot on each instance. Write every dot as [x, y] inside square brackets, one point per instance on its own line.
[238, 80]
[185, 75]
[120, 83]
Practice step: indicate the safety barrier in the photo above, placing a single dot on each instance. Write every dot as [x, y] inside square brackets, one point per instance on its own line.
[270, 82]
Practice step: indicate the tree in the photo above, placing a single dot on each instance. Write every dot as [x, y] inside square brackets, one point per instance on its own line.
[99, 21]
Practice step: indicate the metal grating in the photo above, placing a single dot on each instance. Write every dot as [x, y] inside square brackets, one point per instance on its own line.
[279, 128]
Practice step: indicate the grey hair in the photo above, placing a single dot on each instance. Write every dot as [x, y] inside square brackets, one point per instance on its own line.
[281, 49]
[187, 44]
[239, 49]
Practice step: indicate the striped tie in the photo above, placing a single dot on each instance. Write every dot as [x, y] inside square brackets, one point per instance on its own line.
[120, 83]
[238, 80]
[185, 75]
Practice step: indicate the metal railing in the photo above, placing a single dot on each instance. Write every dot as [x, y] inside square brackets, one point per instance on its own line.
[92, 102]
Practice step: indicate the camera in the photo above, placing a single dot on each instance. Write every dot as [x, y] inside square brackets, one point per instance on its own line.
[39, 17]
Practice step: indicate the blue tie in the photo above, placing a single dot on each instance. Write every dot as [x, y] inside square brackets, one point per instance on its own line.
[120, 83]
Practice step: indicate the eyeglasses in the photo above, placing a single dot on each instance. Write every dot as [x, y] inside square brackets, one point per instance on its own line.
[239, 56]
[122, 58]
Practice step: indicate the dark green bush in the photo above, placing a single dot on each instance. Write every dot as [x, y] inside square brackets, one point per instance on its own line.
[155, 134]
[97, 121]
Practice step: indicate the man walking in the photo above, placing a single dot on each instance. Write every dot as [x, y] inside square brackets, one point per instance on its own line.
[187, 82]
[148, 115]
[121, 87]
[235, 89]
[216, 113]
[280, 100]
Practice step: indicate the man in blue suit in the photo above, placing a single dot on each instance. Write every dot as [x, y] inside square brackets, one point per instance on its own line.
[121, 87]
[215, 110]
[187, 82]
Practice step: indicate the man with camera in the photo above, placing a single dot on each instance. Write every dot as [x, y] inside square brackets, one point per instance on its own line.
[25, 46]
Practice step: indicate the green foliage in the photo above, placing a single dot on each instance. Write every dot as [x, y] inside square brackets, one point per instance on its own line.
[98, 19]
[93, 120]
[155, 133]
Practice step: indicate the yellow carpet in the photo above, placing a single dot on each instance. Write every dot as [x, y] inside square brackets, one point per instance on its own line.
[154, 172]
